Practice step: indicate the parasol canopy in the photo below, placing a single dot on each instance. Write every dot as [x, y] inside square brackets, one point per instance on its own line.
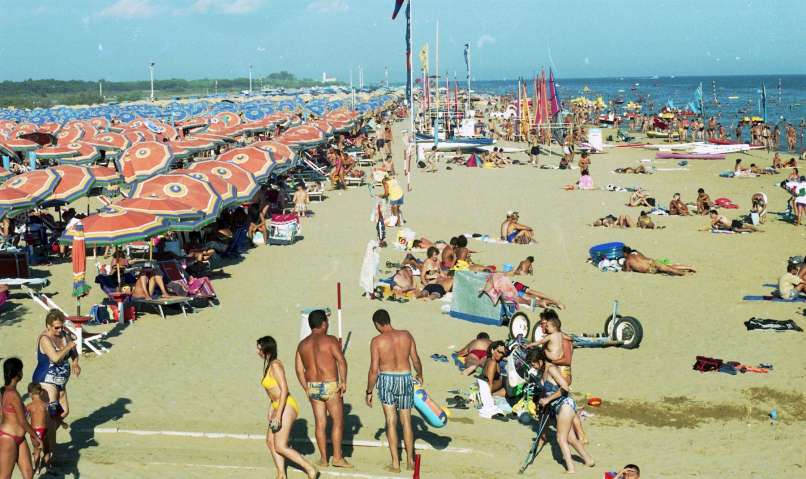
[36, 186]
[159, 205]
[75, 182]
[243, 182]
[105, 176]
[194, 193]
[303, 137]
[144, 160]
[256, 161]
[113, 226]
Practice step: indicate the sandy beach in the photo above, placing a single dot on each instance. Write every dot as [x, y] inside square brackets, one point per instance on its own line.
[200, 374]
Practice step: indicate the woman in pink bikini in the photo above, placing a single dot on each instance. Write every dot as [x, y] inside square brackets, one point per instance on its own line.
[13, 427]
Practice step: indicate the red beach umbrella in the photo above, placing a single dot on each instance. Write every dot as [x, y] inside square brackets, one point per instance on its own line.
[110, 141]
[69, 133]
[75, 182]
[195, 193]
[225, 190]
[105, 176]
[243, 182]
[118, 226]
[38, 185]
[85, 154]
[21, 144]
[56, 152]
[158, 205]
[280, 152]
[303, 137]
[144, 160]
[257, 161]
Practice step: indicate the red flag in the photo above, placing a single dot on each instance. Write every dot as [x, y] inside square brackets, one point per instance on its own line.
[398, 6]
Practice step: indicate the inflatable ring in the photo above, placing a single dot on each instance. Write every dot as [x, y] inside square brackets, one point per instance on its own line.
[595, 401]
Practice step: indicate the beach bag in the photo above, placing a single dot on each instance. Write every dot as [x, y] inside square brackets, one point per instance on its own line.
[257, 239]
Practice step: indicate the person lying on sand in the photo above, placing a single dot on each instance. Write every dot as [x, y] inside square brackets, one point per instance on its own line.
[475, 353]
[635, 262]
[677, 207]
[437, 288]
[625, 221]
[721, 223]
[527, 293]
[635, 170]
[403, 283]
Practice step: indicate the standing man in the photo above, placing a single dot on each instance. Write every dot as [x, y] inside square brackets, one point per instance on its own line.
[322, 372]
[393, 354]
[387, 139]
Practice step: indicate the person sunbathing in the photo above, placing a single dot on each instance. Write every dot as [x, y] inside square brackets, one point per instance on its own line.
[496, 351]
[754, 169]
[610, 221]
[635, 262]
[438, 288]
[635, 170]
[528, 294]
[704, 203]
[474, 353]
[147, 282]
[516, 232]
[677, 207]
[640, 198]
[721, 223]
[430, 267]
[403, 283]
[645, 222]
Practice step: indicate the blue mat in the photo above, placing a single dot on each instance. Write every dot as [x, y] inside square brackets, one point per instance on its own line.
[774, 299]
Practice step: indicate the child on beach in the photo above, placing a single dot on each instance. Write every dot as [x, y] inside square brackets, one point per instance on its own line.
[37, 411]
[301, 201]
[552, 342]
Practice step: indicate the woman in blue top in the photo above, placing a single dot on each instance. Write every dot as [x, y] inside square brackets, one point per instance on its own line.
[56, 360]
[554, 395]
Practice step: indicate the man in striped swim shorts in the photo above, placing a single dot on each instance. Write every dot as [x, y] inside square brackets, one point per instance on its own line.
[393, 354]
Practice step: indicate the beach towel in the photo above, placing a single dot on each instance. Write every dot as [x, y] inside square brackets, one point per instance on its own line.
[499, 287]
[369, 267]
[469, 303]
[774, 299]
[771, 325]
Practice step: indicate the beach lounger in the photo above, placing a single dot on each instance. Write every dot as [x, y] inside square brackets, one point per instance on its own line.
[25, 282]
[181, 285]
[91, 340]
[354, 180]
[316, 191]
[159, 303]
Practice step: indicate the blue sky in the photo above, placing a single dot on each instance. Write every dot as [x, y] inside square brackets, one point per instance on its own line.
[115, 39]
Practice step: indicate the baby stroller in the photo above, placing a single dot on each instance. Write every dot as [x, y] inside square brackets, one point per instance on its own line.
[283, 229]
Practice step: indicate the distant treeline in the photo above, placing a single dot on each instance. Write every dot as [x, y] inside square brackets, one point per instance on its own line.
[47, 93]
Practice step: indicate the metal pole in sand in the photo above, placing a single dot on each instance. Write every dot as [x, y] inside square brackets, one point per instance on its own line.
[338, 309]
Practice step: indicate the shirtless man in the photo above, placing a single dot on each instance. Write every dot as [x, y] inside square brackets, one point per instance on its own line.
[387, 140]
[516, 232]
[677, 207]
[449, 255]
[322, 373]
[584, 162]
[525, 266]
[475, 353]
[635, 262]
[393, 354]
[721, 223]
[403, 282]
[703, 202]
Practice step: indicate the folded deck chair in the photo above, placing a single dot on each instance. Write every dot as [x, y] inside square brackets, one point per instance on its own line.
[181, 284]
[91, 340]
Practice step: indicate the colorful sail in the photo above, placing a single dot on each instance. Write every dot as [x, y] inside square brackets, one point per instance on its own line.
[554, 100]
[398, 5]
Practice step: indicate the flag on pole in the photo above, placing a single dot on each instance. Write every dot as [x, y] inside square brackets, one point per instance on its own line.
[424, 58]
[554, 100]
[467, 56]
[398, 4]
[409, 79]
[764, 101]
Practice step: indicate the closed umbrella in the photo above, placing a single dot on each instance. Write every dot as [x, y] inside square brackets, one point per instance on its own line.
[79, 252]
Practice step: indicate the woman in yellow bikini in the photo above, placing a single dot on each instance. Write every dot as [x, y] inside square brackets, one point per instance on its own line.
[284, 411]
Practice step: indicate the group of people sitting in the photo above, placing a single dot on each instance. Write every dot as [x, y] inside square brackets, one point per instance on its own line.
[548, 360]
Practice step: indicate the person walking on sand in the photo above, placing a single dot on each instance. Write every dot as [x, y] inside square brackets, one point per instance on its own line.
[282, 413]
[14, 449]
[393, 354]
[322, 372]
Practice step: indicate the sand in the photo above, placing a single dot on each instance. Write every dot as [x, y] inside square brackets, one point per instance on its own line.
[201, 374]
